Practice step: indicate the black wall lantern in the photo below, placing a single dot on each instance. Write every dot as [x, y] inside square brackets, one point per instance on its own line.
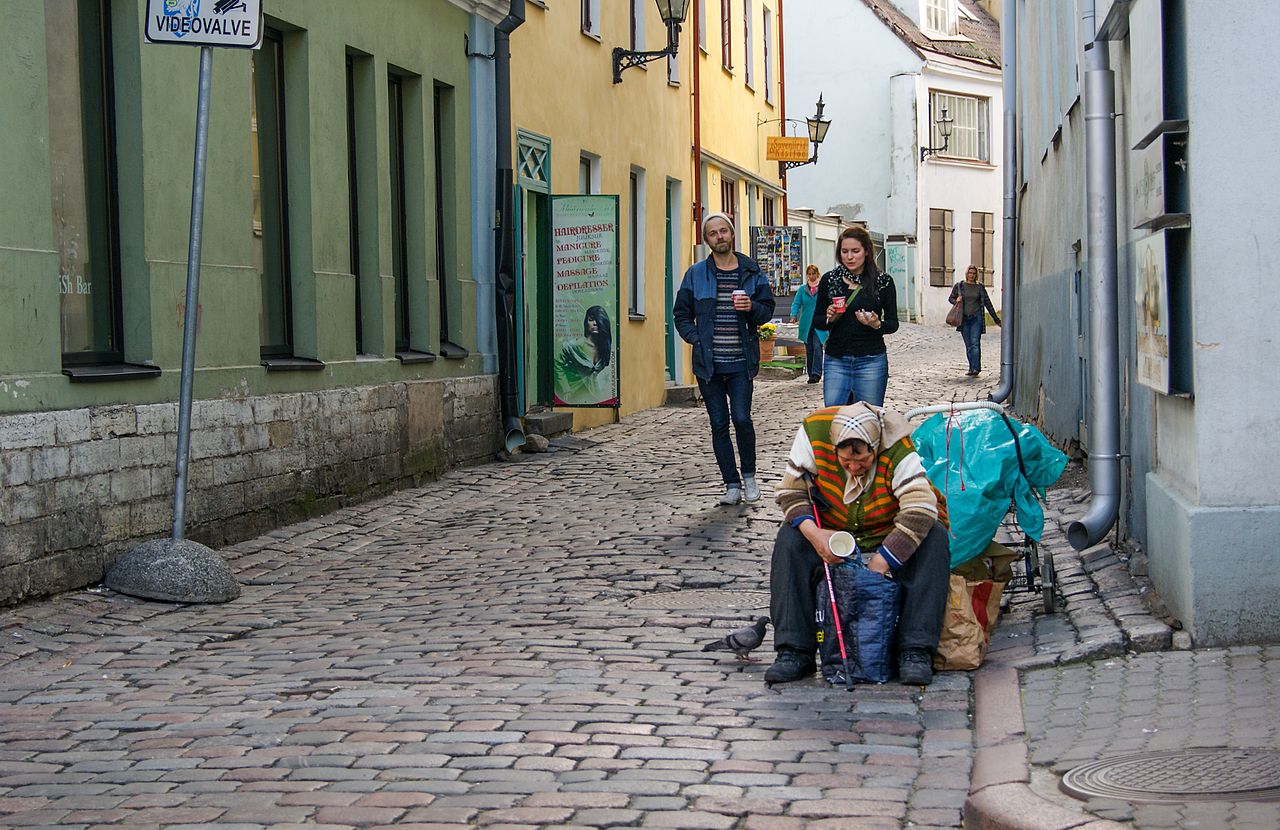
[673, 13]
[944, 129]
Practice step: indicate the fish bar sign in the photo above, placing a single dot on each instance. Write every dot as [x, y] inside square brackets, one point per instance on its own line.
[235, 23]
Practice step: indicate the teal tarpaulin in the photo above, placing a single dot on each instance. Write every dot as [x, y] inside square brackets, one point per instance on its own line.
[971, 457]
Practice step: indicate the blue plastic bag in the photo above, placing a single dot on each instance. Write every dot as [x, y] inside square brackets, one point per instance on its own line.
[869, 605]
[977, 468]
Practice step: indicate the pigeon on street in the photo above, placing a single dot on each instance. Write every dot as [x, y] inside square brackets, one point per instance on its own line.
[742, 641]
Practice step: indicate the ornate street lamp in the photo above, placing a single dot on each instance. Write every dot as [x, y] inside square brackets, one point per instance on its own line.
[673, 13]
[817, 126]
[944, 129]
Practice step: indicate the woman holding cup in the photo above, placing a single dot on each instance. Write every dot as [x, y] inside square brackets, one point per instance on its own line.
[857, 306]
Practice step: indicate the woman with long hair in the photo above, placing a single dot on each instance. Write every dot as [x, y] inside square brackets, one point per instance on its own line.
[973, 319]
[580, 375]
[857, 306]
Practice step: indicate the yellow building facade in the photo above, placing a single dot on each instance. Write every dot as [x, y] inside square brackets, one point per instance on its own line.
[576, 131]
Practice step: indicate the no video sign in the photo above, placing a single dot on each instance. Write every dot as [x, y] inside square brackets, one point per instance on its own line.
[205, 22]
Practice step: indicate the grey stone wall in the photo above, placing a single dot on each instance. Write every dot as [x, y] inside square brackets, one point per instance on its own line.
[78, 487]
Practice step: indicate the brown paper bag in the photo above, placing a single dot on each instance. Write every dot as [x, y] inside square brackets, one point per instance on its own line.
[973, 606]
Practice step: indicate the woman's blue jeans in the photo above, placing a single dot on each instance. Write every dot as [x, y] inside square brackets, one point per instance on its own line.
[971, 331]
[813, 354]
[847, 380]
[728, 400]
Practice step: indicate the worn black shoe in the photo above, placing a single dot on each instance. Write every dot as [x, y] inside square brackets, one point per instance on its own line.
[790, 666]
[814, 378]
[915, 667]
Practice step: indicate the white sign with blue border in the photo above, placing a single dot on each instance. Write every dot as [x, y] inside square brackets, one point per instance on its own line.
[235, 23]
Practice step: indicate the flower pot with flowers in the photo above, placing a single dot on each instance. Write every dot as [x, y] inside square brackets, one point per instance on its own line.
[766, 334]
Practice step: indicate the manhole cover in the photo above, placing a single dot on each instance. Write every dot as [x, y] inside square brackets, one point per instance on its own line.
[702, 600]
[1210, 774]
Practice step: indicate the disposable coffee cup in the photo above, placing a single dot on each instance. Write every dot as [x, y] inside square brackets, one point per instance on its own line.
[842, 544]
[838, 304]
[738, 293]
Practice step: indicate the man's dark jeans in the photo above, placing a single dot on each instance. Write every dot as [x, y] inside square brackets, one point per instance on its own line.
[797, 570]
[728, 398]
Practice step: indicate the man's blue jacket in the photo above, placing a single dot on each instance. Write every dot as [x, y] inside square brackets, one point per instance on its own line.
[695, 312]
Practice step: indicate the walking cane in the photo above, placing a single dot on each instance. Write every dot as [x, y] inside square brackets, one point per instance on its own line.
[810, 488]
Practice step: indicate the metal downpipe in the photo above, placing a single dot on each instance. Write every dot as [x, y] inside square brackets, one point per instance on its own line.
[1009, 241]
[504, 286]
[1104, 349]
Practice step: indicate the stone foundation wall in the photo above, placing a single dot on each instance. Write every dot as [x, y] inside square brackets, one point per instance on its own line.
[78, 487]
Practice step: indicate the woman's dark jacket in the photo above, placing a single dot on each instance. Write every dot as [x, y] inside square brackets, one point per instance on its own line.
[695, 312]
[848, 337]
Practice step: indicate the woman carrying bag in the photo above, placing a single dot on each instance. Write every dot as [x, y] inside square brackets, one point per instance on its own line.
[972, 299]
[806, 300]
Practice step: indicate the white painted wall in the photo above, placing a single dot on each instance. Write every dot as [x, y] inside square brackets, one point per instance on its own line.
[959, 186]
[820, 235]
[844, 52]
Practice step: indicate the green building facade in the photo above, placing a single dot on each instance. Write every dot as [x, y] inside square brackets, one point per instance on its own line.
[342, 307]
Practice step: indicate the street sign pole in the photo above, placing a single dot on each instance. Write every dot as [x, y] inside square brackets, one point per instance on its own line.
[190, 313]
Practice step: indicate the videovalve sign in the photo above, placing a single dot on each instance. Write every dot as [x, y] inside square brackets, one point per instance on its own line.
[227, 23]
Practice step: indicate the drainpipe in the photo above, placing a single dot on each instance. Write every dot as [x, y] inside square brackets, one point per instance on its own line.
[505, 284]
[1104, 348]
[782, 110]
[695, 52]
[1009, 241]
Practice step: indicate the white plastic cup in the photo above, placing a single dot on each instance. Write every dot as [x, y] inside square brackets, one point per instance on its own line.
[842, 544]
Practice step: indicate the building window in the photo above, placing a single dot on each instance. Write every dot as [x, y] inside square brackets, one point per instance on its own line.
[970, 130]
[591, 17]
[748, 44]
[446, 198]
[982, 236]
[82, 155]
[768, 55]
[726, 35]
[636, 235]
[941, 254]
[940, 17]
[399, 218]
[701, 11]
[270, 197]
[588, 174]
[637, 25]
[353, 199]
[729, 199]
[769, 219]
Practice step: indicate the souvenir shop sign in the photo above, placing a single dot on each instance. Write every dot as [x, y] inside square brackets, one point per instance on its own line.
[585, 300]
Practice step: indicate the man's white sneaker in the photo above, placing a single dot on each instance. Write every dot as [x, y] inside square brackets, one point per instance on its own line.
[732, 495]
[750, 490]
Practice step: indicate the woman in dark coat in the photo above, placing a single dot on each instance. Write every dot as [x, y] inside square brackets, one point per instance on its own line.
[973, 323]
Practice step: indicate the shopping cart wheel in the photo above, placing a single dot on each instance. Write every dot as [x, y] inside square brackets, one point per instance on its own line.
[1048, 581]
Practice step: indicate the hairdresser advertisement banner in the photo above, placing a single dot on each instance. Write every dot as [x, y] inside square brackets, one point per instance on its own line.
[585, 300]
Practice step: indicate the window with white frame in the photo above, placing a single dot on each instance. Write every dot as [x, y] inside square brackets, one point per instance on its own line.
[636, 204]
[590, 15]
[970, 125]
[588, 173]
[939, 17]
[637, 25]
[748, 44]
[768, 55]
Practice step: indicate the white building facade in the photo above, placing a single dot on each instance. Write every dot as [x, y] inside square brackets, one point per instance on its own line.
[885, 70]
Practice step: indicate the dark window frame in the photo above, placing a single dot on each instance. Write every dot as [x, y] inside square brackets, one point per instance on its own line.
[982, 233]
[399, 210]
[280, 147]
[353, 197]
[726, 34]
[942, 264]
[102, 220]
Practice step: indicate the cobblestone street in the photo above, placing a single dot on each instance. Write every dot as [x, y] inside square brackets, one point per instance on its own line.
[486, 650]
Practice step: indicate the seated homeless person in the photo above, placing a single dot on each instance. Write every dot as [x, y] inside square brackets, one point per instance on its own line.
[875, 487]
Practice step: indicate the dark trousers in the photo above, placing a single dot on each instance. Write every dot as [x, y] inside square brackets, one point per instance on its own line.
[813, 354]
[797, 570]
[728, 399]
[971, 331]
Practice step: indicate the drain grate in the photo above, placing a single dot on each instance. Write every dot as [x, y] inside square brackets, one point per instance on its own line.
[702, 600]
[1207, 774]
